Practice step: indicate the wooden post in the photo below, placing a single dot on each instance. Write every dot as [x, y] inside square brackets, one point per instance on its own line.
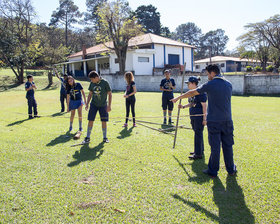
[177, 122]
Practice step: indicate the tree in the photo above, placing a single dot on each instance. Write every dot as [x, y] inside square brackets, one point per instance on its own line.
[165, 32]
[188, 33]
[254, 41]
[18, 47]
[91, 17]
[117, 25]
[66, 14]
[149, 18]
[212, 43]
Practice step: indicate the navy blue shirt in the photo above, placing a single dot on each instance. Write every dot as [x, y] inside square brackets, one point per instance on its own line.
[165, 85]
[63, 86]
[129, 89]
[197, 106]
[219, 92]
[29, 93]
[75, 91]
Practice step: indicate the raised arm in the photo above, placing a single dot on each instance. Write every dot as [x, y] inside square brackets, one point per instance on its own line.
[188, 94]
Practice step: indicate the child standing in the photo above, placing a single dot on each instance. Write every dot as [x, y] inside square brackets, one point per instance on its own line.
[130, 97]
[74, 100]
[197, 105]
[99, 89]
[167, 85]
[63, 94]
[29, 87]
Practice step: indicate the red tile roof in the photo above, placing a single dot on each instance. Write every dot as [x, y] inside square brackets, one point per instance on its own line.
[144, 39]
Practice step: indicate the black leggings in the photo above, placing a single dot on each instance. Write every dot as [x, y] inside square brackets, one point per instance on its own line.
[130, 101]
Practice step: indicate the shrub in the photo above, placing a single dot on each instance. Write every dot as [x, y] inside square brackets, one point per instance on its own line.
[269, 68]
[258, 68]
[249, 68]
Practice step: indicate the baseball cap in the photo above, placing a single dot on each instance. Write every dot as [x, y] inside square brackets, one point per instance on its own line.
[192, 79]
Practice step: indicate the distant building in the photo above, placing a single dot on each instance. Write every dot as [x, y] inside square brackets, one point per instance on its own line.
[146, 54]
[226, 64]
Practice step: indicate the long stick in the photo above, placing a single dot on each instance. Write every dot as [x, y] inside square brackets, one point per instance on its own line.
[177, 122]
[156, 129]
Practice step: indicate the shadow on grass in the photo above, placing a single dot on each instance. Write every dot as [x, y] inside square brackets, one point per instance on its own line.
[87, 154]
[230, 202]
[61, 139]
[52, 86]
[168, 128]
[6, 87]
[58, 114]
[17, 122]
[125, 133]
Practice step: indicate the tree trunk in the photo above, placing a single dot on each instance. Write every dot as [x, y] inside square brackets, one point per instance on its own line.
[122, 60]
[50, 78]
[20, 73]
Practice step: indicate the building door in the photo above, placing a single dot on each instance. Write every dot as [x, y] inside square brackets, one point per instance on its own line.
[173, 59]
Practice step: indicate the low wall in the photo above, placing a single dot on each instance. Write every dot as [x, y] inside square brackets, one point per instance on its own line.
[242, 84]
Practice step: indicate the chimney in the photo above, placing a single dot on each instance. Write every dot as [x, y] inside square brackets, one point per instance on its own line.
[84, 49]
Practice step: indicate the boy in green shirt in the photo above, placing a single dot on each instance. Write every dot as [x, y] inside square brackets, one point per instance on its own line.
[99, 89]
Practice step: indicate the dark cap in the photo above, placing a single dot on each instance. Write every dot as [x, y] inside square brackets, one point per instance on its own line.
[167, 71]
[192, 79]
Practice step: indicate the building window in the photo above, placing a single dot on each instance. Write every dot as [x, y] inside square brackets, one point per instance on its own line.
[143, 59]
[116, 60]
[197, 67]
[222, 65]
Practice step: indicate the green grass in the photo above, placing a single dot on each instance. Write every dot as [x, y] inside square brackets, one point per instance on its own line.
[137, 177]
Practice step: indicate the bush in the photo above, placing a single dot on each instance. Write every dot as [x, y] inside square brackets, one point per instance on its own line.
[258, 68]
[249, 68]
[269, 68]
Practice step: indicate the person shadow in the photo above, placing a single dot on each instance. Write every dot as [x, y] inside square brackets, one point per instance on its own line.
[168, 127]
[229, 200]
[87, 154]
[17, 122]
[58, 114]
[197, 167]
[125, 133]
[61, 139]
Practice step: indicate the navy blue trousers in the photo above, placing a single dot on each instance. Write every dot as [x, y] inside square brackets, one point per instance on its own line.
[62, 99]
[198, 135]
[32, 104]
[220, 133]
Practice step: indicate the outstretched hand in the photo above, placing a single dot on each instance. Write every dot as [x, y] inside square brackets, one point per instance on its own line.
[174, 100]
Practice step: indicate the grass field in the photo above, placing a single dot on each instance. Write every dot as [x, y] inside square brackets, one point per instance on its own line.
[137, 177]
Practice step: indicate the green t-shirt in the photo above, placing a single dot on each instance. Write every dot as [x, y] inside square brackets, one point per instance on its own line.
[99, 90]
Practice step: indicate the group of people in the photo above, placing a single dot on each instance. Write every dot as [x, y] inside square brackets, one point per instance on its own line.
[217, 116]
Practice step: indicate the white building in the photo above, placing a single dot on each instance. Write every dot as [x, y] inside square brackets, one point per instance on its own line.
[227, 64]
[147, 54]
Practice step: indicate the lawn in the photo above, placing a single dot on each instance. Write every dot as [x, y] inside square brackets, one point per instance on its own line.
[138, 177]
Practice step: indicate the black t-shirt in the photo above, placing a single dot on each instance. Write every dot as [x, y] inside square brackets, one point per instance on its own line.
[165, 84]
[75, 92]
[129, 88]
[197, 106]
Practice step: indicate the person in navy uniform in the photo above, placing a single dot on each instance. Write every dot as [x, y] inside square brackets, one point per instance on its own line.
[129, 96]
[29, 87]
[197, 106]
[219, 120]
[74, 100]
[63, 93]
[167, 86]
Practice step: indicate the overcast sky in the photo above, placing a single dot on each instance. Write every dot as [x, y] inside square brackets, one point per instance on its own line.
[229, 15]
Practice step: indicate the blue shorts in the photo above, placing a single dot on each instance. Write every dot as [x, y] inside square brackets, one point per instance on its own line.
[104, 115]
[75, 104]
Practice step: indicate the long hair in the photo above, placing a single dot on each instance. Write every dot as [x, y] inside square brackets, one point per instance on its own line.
[128, 76]
[67, 83]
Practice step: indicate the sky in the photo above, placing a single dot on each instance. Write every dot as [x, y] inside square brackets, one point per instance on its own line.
[229, 15]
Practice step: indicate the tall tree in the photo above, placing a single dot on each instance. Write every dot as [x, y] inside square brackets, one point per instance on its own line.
[18, 46]
[165, 32]
[188, 33]
[149, 18]
[66, 14]
[117, 25]
[91, 17]
[212, 43]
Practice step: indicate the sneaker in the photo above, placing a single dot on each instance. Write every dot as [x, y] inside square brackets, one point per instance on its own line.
[30, 117]
[233, 174]
[124, 125]
[134, 125]
[170, 121]
[80, 129]
[105, 140]
[36, 116]
[86, 140]
[70, 128]
[194, 157]
[210, 175]
[191, 153]
[164, 121]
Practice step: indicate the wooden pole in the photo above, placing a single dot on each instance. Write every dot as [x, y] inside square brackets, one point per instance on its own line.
[178, 115]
